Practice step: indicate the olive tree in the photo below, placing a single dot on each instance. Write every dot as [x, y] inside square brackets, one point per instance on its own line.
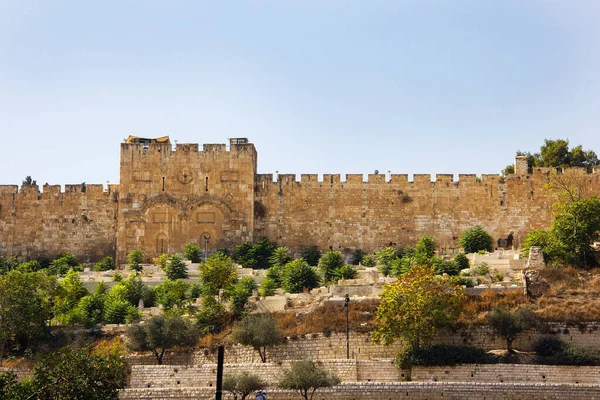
[306, 377]
[160, 333]
[259, 331]
[509, 324]
[242, 384]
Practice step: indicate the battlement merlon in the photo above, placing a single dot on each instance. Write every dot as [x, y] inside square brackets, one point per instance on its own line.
[165, 150]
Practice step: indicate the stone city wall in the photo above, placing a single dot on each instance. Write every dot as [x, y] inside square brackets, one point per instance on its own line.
[389, 391]
[43, 224]
[369, 215]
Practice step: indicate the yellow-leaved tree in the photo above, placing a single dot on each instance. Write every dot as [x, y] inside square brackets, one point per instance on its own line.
[415, 306]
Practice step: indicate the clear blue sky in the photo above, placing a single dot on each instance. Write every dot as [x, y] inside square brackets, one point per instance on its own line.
[409, 86]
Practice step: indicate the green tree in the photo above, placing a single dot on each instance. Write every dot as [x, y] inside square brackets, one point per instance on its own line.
[575, 228]
[425, 249]
[12, 389]
[555, 153]
[240, 292]
[461, 260]
[25, 307]
[62, 264]
[78, 374]
[161, 333]
[414, 306]
[192, 253]
[329, 263]
[106, 264]
[344, 272]
[255, 256]
[171, 293]
[176, 268]
[242, 384]
[369, 260]
[259, 331]
[28, 181]
[311, 255]
[357, 256]
[306, 377]
[268, 287]
[136, 259]
[217, 272]
[386, 258]
[71, 290]
[475, 239]
[280, 257]
[212, 316]
[509, 324]
[298, 275]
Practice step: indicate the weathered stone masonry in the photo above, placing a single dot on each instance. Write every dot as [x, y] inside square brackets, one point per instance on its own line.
[168, 197]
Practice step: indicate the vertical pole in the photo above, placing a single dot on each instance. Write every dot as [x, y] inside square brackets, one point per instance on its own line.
[220, 359]
[206, 239]
[347, 306]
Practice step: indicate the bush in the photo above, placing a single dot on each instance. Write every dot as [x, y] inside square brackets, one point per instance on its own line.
[106, 264]
[329, 262]
[171, 293]
[162, 261]
[280, 257]
[176, 268]
[268, 287]
[192, 253]
[475, 239]
[482, 269]
[551, 350]
[357, 256]
[298, 275]
[369, 260]
[311, 255]
[136, 258]
[386, 258]
[443, 355]
[344, 272]
[62, 264]
[461, 260]
[256, 255]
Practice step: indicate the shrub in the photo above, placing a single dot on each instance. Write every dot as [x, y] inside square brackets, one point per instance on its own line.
[106, 264]
[328, 263]
[136, 258]
[268, 287]
[211, 317]
[357, 256]
[176, 268]
[461, 260]
[171, 293]
[344, 272]
[62, 264]
[551, 350]
[311, 255]
[369, 260]
[475, 239]
[192, 253]
[255, 255]
[548, 346]
[298, 275]
[482, 269]
[443, 355]
[280, 257]
[386, 258]
[162, 261]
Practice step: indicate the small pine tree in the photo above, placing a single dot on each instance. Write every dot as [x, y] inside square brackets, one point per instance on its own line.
[176, 268]
[136, 258]
[192, 253]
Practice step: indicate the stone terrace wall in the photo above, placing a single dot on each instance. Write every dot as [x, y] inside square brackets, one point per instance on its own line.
[158, 376]
[370, 215]
[34, 224]
[389, 391]
[492, 373]
[321, 347]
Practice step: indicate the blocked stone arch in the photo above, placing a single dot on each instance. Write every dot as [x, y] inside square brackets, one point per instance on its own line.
[212, 201]
[162, 243]
[163, 199]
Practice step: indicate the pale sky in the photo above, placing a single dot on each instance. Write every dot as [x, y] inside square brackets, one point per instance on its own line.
[407, 86]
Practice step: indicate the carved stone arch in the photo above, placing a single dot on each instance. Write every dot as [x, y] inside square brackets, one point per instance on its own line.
[212, 201]
[162, 199]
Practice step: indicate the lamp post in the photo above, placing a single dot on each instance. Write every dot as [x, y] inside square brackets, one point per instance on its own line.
[347, 306]
[206, 239]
